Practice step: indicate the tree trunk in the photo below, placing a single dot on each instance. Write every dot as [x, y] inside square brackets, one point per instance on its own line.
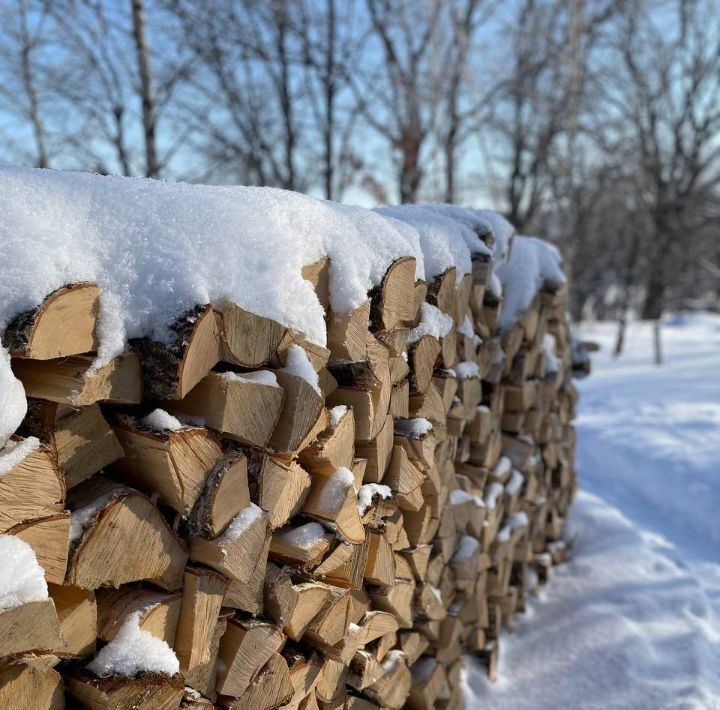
[147, 90]
[330, 100]
[31, 91]
[410, 174]
[654, 294]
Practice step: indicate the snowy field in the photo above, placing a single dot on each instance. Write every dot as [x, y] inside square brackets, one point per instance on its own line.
[633, 620]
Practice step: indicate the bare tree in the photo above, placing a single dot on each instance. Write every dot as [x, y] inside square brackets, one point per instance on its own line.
[669, 98]
[147, 89]
[332, 35]
[400, 95]
[23, 73]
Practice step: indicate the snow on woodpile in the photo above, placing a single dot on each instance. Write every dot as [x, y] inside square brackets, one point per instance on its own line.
[532, 264]
[160, 420]
[22, 579]
[134, 650]
[432, 322]
[445, 242]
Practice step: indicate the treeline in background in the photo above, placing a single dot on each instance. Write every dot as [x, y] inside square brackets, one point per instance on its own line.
[593, 122]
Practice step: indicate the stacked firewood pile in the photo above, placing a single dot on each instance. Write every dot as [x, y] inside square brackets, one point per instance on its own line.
[241, 518]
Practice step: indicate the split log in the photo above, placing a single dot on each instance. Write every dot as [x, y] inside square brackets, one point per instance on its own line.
[422, 356]
[281, 487]
[302, 409]
[347, 334]
[108, 522]
[334, 447]
[49, 538]
[378, 452]
[80, 438]
[173, 463]
[292, 606]
[202, 599]
[36, 472]
[333, 500]
[74, 382]
[304, 545]
[31, 627]
[225, 494]
[239, 549]
[271, 688]
[318, 274]
[248, 340]
[344, 566]
[242, 407]
[158, 612]
[62, 325]
[31, 685]
[77, 612]
[150, 691]
[172, 369]
[393, 303]
[245, 648]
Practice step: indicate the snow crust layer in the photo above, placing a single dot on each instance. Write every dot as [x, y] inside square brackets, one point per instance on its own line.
[134, 650]
[22, 579]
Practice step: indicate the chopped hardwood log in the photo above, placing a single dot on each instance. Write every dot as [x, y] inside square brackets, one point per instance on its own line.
[318, 274]
[108, 522]
[422, 356]
[173, 463]
[172, 369]
[400, 400]
[393, 304]
[292, 606]
[377, 452]
[62, 325]
[248, 596]
[225, 494]
[271, 687]
[348, 334]
[380, 564]
[74, 382]
[239, 549]
[334, 447]
[248, 340]
[158, 611]
[396, 600]
[303, 545]
[49, 538]
[333, 500]
[150, 691]
[281, 487]
[330, 625]
[242, 407]
[405, 479]
[245, 648]
[302, 407]
[441, 292]
[203, 676]
[77, 612]
[393, 688]
[80, 438]
[344, 566]
[31, 685]
[36, 472]
[31, 627]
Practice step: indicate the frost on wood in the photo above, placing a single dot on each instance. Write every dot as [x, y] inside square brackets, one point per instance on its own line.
[132, 651]
[466, 370]
[337, 413]
[22, 579]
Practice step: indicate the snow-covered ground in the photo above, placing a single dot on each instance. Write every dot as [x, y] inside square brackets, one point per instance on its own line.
[633, 620]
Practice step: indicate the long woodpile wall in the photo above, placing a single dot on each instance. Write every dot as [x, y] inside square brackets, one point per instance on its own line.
[299, 541]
